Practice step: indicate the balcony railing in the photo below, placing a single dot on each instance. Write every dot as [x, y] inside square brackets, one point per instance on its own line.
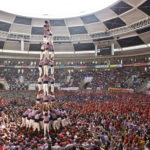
[82, 37]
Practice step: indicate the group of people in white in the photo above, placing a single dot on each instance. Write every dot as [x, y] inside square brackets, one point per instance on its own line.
[53, 119]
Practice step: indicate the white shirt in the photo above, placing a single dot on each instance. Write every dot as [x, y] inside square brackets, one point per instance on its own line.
[45, 40]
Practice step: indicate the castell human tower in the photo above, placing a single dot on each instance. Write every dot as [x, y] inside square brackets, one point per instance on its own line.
[46, 75]
[44, 115]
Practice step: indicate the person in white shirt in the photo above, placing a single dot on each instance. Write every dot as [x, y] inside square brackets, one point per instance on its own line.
[43, 46]
[50, 39]
[40, 83]
[52, 65]
[36, 124]
[56, 147]
[45, 84]
[46, 119]
[41, 67]
[45, 40]
[46, 67]
[52, 80]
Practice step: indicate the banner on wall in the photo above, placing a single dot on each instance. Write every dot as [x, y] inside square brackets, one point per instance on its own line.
[116, 66]
[136, 64]
[83, 67]
[70, 89]
[121, 90]
[101, 66]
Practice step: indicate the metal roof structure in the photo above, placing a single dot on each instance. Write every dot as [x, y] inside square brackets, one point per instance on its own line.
[126, 23]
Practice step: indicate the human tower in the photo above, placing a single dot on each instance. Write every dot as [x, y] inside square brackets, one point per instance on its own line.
[46, 62]
[44, 115]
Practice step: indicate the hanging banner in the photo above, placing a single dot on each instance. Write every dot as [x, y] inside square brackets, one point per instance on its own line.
[70, 89]
[82, 67]
[101, 66]
[121, 90]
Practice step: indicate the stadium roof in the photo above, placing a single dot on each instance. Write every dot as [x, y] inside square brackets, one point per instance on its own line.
[55, 8]
[121, 14]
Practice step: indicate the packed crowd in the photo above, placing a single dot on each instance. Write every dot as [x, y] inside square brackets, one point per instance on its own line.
[97, 121]
[71, 62]
[118, 76]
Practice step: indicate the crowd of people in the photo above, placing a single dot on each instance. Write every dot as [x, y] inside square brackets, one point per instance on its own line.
[118, 76]
[21, 78]
[113, 121]
[83, 61]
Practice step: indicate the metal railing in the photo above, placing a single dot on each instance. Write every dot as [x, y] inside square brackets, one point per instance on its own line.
[79, 37]
[116, 32]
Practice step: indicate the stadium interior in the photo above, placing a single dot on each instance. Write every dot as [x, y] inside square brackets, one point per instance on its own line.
[99, 80]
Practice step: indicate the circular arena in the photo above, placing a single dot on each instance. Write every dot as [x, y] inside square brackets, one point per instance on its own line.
[75, 82]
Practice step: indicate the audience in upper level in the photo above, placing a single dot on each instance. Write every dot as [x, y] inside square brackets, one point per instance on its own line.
[20, 79]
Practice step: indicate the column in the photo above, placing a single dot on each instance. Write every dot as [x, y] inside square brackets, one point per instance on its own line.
[112, 48]
[95, 49]
[22, 44]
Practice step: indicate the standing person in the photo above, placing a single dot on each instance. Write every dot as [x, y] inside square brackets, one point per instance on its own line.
[27, 118]
[54, 117]
[40, 67]
[63, 118]
[38, 97]
[58, 123]
[52, 97]
[30, 119]
[56, 147]
[45, 40]
[48, 27]
[40, 83]
[45, 27]
[43, 47]
[52, 54]
[24, 119]
[52, 81]
[52, 65]
[45, 99]
[46, 119]
[37, 122]
[46, 68]
[50, 48]
[45, 84]
[33, 113]
[41, 121]
[50, 39]
[46, 52]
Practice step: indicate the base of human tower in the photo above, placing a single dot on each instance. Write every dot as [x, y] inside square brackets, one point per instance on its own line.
[44, 119]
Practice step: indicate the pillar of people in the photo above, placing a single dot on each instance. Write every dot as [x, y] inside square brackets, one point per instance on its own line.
[44, 115]
[46, 63]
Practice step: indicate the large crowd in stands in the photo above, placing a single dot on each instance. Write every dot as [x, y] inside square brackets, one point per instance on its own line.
[115, 77]
[71, 62]
[118, 76]
[106, 121]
